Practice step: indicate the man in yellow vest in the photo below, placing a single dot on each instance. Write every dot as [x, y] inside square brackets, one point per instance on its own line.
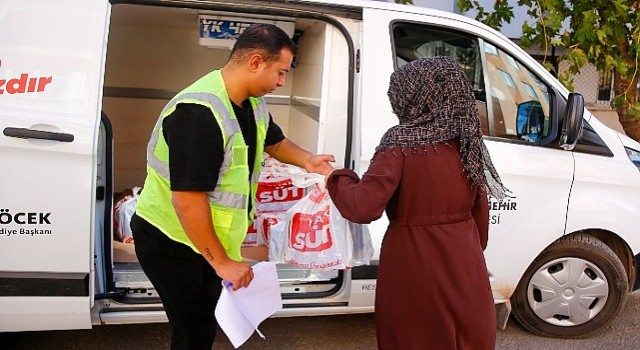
[203, 162]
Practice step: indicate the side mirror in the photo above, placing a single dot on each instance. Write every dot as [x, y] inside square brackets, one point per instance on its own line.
[573, 121]
[530, 121]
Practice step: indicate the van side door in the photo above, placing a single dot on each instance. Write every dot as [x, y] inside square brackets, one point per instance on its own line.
[518, 110]
[51, 69]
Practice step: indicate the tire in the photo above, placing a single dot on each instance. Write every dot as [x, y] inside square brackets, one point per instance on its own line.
[552, 301]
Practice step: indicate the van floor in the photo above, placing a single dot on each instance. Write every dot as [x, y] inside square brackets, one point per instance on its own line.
[128, 274]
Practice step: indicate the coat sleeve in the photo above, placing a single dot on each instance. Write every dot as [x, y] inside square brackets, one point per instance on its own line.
[480, 214]
[364, 200]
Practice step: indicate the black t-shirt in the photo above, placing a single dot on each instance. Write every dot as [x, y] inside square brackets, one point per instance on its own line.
[196, 147]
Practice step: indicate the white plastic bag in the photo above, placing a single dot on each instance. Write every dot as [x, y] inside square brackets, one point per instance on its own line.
[361, 247]
[313, 241]
[274, 227]
[123, 211]
[317, 237]
[276, 193]
[296, 218]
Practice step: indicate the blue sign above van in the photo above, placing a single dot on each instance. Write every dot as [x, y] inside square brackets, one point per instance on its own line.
[219, 32]
[221, 29]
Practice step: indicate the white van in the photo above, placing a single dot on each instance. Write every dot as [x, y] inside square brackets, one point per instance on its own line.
[82, 83]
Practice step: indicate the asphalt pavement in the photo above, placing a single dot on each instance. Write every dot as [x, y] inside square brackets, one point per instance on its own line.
[341, 332]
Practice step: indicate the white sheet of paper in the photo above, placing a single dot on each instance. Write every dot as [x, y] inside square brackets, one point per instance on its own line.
[240, 313]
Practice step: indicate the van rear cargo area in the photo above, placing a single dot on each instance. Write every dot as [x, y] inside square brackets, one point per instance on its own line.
[153, 53]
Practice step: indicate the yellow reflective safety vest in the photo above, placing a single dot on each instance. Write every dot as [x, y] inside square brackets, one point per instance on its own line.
[229, 201]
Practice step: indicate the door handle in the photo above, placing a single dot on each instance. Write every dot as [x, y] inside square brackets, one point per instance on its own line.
[24, 133]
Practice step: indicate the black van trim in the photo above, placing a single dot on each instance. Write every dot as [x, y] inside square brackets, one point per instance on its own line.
[591, 143]
[364, 272]
[36, 284]
[636, 283]
[337, 284]
[314, 305]
[107, 237]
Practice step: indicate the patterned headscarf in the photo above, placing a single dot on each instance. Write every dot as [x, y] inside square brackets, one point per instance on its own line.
[433, 100]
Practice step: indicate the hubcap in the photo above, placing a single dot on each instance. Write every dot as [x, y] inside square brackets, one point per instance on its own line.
[568, 291]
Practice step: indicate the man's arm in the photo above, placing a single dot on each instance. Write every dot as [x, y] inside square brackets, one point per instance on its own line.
[288, 152]
[194, 213]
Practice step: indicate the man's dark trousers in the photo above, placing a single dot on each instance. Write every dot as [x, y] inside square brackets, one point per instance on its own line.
[188, 286]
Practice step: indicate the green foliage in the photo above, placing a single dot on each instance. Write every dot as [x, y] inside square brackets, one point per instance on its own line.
[406, 2]
[501, 13]
[605, 33]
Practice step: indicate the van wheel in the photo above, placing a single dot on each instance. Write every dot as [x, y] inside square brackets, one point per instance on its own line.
[573, 288]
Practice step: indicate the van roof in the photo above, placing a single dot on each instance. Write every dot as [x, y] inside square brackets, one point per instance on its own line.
[359, 5]
[346, 8]
[352, 5]
[367, 4]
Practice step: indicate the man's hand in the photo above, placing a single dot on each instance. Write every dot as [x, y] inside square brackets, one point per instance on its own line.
[194, 213]
[288, 152]
[319, 164]
[238, 274]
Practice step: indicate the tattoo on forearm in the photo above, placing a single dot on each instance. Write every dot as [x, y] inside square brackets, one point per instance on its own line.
[208, 254]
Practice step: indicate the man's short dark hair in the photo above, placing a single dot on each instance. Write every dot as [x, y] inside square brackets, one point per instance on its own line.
[266, 39]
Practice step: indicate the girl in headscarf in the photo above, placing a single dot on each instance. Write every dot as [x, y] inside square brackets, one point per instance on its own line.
[431, 174]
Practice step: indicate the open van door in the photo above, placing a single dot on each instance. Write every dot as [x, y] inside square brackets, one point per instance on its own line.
[312, 109]
[51, 69]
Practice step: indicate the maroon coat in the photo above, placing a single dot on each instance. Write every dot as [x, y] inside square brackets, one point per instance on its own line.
[433, 290]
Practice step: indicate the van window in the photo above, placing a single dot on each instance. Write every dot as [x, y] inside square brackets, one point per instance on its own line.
[519, 100]
[413, 41]
[518, 107]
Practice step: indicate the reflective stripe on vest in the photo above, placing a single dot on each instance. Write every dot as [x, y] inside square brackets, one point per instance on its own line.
[230, 126]
[229, 201]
